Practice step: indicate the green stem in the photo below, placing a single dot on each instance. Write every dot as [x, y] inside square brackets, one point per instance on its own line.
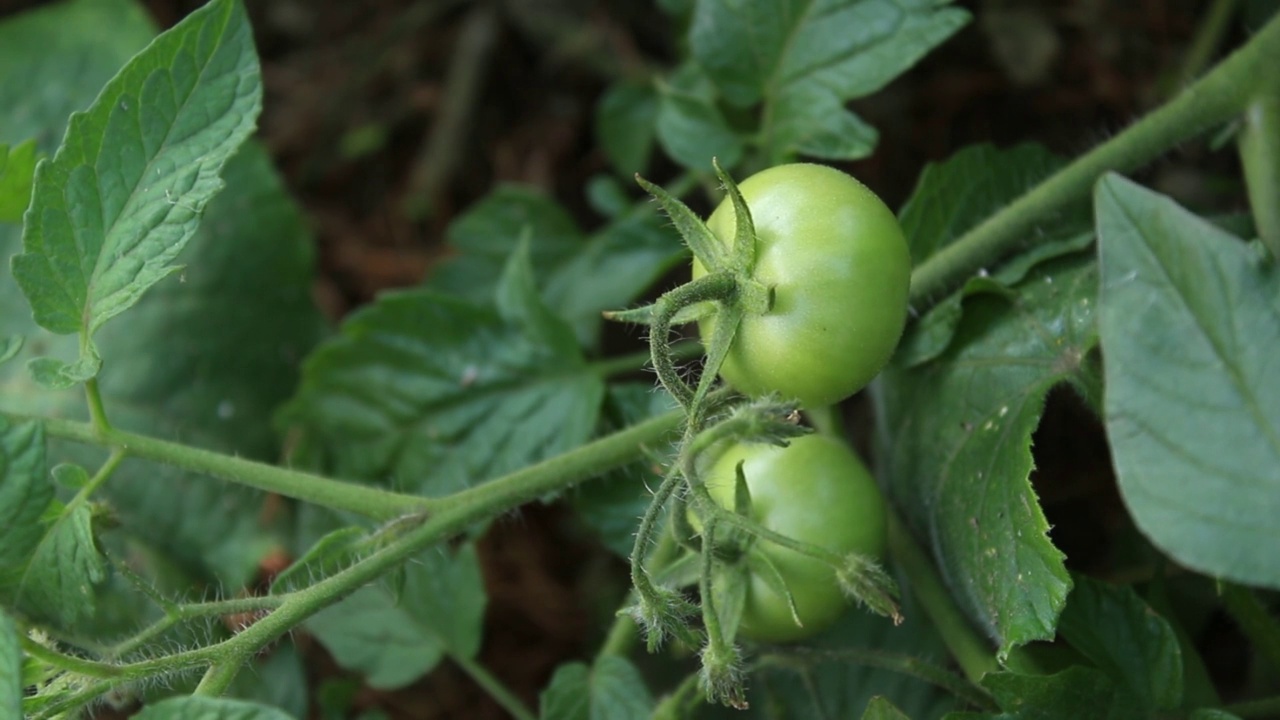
[182, 613]
[1261, 629]
[1218, 97]
[623, 633]
[494, 687]
[361, 499]
[677, 705]
[970, 651]
[1260, 709]
[97, 412]
[221, 674]
[686, 350]
[1259, 148]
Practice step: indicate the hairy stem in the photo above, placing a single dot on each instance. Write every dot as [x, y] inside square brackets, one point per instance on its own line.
[1260, 157]
[1221, 95]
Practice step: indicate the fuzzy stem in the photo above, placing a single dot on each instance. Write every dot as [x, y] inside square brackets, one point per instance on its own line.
[1222, 94]
[1259, 148]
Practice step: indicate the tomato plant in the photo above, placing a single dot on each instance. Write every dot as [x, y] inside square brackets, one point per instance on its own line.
[222, 498]
[814, 490]
[838, 268]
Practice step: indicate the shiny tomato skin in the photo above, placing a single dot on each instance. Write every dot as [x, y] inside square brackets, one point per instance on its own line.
[840, 270]
[815, 490]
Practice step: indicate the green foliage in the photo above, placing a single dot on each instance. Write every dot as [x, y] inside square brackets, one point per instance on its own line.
[395, 638]
[125, 191]
[139, 551]
[610, 689]
[17, 168]
[1190, 319]
[966, 491]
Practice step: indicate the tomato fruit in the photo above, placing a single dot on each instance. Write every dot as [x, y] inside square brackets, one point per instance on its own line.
[815, 490]
[840, 269]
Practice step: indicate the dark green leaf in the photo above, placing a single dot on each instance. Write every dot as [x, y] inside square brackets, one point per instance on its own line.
[519, 304]
[133, 175]
[59, 581]
[279, 680]
[10, 668]
[373, 635]
[488, 232]
[625, 125]
[434, 394]
[62, 50]
[881, 709]
[618, 263]
[613, 504]
[17, 169]
[1120, 634]
[1075, 693]
[837, 676]
[808, 59]
[953, 197]
[956, 435]
[1212, 714]
[440, 611]
[1190, 326]
[691, 127]
[612, 689]
[25, 494]
[208, 708]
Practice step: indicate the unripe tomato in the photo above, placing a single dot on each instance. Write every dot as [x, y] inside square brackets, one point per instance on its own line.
[840, 270]
[815, 490]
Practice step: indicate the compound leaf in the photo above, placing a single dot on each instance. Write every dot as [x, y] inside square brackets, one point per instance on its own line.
[807, 59]
[126, 190]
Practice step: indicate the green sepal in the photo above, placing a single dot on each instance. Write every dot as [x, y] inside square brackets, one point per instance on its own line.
[865, 582]
[744, 232]
[729, 585]
[644, 315]
[762, 567]
[705, 246]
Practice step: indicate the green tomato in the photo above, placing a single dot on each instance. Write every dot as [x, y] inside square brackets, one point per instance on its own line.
[815, 490]
[839, 267]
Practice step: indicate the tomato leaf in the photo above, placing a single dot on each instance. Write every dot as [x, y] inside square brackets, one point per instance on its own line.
[624, 121]
[1077, 692]
[395, 640]
[612, 505]
[11, 680]
[807, 60]
[197, 357]
[830, 678]
[126, 190]
[580, 276]
[611, 689]
[965, 491]
[956, 195]
[881, 709]
[17, 170]
[485, 235]
[1125, 638]
[1190, 322]
[435, 394]
[278, 679]
[195, 707]
[690, 126]
[49, 560]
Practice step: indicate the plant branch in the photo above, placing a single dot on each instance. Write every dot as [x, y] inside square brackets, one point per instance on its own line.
[1221, 95]
[494, 687]
[368, 501]
[1259, 148]
[1254, 621]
